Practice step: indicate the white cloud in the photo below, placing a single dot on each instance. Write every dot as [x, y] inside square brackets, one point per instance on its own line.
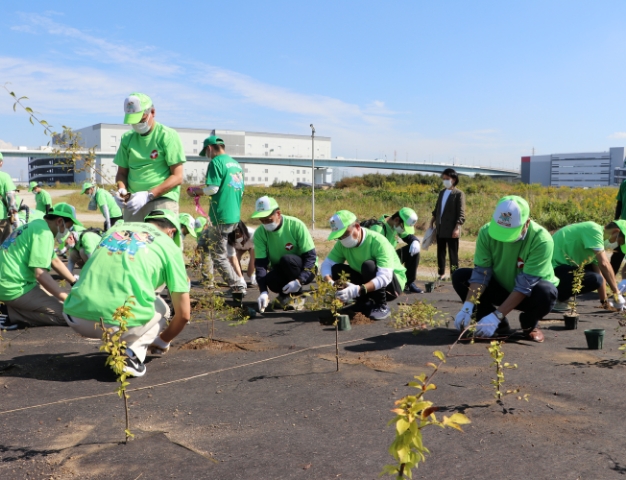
[6, 145]
[618, 135]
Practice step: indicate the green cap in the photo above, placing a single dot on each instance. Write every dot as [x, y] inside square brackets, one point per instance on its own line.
[86, 186]
[169, 215]
[622, 226]
[189, 222]
[134, 106]
[212, 140]
[64, 210]
[264, 207]
[509, 219]
[339, 222]
[200, 224]
[409, 218]
[31, 186]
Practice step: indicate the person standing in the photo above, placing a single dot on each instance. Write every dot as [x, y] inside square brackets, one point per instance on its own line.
[150, 162]
[285, 255]
[224, 185]
[8, 204]
[512, 271]
[42, 198]
[585, 243]
[133, 260]
[402, 224]
[448, 217]
[375, 272]
[100, 198]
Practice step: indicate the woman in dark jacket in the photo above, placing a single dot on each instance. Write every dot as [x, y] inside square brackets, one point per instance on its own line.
[448, 216]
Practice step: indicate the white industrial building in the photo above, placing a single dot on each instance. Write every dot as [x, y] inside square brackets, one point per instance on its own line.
[239, 144]
[599, 169]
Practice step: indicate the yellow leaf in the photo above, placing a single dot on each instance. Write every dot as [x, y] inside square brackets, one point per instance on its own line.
[440, 355]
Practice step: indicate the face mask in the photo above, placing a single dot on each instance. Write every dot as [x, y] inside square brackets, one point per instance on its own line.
[239, 241]
[400, 230]
[60, 234]
[349, 242]
[141, 128]
[270, 227]
[447, 183]
[522, 236]
[610, 246]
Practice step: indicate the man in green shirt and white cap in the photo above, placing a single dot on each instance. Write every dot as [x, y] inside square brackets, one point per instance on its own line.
[402, 224]
[284, 254]
[512, 270]
[585, 243]
[150, 162]
[32, 296]
[8, 204]
[42, 198]
[224, 185]
[375, 272]
[133, 260]
[100, 198]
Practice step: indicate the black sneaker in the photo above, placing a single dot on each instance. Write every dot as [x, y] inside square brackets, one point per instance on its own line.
[412, 288]
[5, 323]
[135, 367]
[380, 312]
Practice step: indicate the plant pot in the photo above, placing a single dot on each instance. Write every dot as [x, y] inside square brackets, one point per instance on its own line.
[238, 299]
[429, 286]
[344, 323]
[571, 322]
[595, 338]
[251, 312]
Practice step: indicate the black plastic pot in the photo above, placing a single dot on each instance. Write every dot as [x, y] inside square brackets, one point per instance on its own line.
[595, 338]
[571, 322]
[430, 286]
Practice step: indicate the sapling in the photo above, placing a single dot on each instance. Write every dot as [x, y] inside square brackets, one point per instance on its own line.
[414, 413]
[495, 350]
[324, 296]
[116, 348]
[578, 274]
[420, 315]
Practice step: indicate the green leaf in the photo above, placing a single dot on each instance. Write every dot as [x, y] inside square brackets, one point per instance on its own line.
[440, 355]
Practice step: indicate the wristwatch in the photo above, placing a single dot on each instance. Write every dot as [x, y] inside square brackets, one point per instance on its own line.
[363, 290]
[499, 315]
[150, 196]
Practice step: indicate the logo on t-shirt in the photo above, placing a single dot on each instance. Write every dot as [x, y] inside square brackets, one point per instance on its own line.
[520, 262]
[154, 154]
[289, 246]
[125, 241]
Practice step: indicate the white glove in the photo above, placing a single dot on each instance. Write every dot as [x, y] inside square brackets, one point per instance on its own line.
[76, 277]
[253, 279]
[159, 347]
[122, 192]
[621, 286]
[351, 291]
[332, 282]
[414, 249]
[464, 317]
[119, 197]
[292, 287]
[263, 301]
[618, 304]
[487, 326]
[137, 201]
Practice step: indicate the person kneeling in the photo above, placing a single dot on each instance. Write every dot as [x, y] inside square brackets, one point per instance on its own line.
[285, 247]
[512, 269]
[375, 272]
[132, 261]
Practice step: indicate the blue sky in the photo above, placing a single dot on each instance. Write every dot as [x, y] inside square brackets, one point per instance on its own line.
[482, 82]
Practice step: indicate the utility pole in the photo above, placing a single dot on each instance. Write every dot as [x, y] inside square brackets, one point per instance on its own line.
[313, 177]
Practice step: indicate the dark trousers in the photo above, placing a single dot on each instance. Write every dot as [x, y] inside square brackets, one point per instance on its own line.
[453, 250]
[565, 273]
[616, 260]
[368, 272]
[410, 263]
[289, 268]
[114, 220]
[540, 302]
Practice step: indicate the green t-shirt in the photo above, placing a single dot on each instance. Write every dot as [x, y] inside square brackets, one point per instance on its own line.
[149, 158]
[30, 246]
[6, 186]
[43, 198]
[387, 231]
[577, 243]
[133, 259]
[291, 238]
[225, 172]
[532, 256]
[374, 247]
[86, 240]
[102, 198]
